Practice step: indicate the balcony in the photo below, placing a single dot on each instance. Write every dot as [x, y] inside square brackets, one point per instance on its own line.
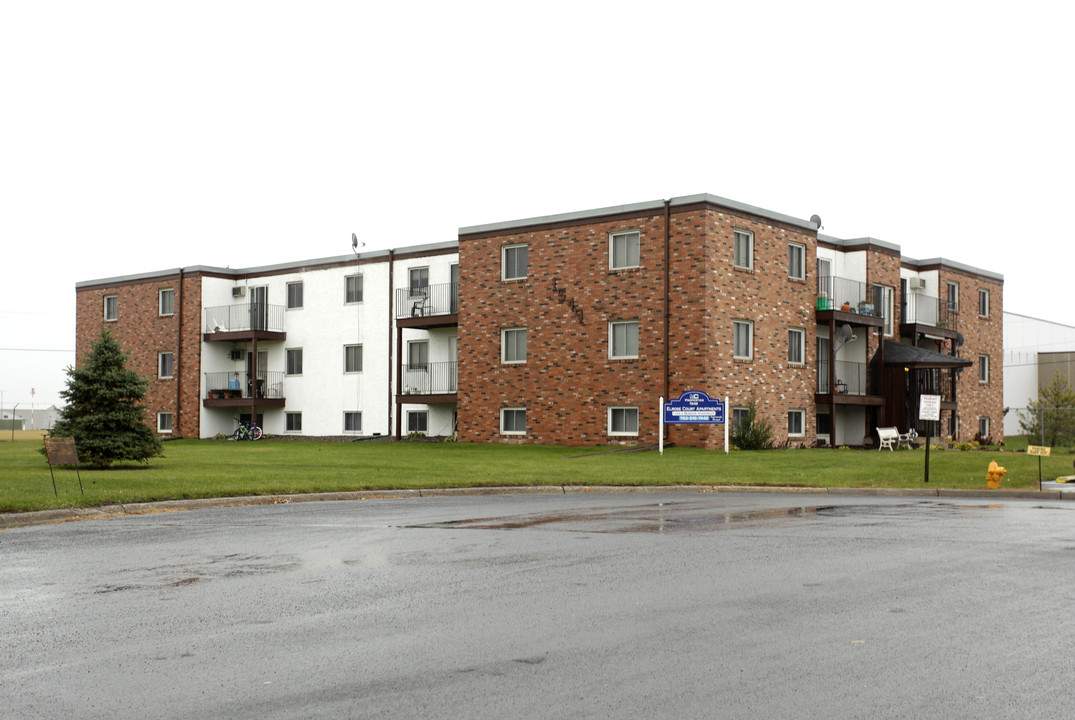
[230, 323]
[853, 384]
[234, 389]
[927, 315]
[850, 301]
[429, 306]
[436, 382]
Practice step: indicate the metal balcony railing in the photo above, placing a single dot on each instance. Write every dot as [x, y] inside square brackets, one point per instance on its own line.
[852, 378]
[438, 378]
[220, 385]
[427, 301]
[926, 310]
[238, 318]
[837, 293]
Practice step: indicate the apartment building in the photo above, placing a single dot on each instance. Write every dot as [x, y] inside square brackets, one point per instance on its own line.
[572, 326]
[349, 346]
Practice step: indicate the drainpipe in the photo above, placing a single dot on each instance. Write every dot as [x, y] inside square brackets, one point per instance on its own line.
[667, 286]
[391, 325]
[179, 362]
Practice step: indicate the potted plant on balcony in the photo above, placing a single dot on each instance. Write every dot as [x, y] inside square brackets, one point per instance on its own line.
[865, 307]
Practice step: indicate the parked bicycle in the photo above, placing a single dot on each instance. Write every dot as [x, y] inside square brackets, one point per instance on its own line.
[248, 431]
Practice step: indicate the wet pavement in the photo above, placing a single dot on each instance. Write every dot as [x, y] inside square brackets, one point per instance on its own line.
[572, 605]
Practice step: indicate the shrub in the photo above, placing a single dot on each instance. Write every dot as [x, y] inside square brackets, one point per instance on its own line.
[752, 432]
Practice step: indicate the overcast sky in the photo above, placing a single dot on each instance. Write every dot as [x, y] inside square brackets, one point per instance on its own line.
[142, 136]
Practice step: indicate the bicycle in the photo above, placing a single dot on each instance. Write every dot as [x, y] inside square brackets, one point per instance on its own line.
[248, 431]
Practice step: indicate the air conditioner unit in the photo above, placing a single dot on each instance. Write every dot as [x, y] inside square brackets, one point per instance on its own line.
[237, 354]
[916, 284]
[239, 291]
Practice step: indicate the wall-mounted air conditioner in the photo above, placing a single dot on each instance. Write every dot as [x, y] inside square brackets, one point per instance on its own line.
[916, 284]
[237, 354]
[239, 291]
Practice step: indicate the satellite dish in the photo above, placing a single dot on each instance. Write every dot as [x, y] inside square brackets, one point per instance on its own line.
[847, 334]
[960, 340]
[816, 219]
[354, 241]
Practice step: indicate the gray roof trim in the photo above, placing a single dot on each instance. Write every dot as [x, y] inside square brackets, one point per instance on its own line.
[915, 264]
[852, 242]
[651, 206]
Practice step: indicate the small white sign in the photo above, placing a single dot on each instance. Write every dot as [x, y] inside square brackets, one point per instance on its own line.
[929, 407]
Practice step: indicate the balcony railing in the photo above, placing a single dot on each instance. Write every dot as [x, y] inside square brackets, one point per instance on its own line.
[852, 378]
[936, 381]
[926, 310]
[239, 318]
[427, 301]
[837, 293]
[437, 378]
[220, 385]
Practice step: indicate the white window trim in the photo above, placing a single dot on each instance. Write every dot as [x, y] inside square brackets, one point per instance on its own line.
[612, 249]
[160, 365]
[417, 290]
[504, 262]
[611, 344]
[171, 422]
[361, 289]
[801, 332]
[356, 413]
[952, 306]
[287, 295]
[802, 422]
[802, 261]
[415, 413]
[160, 302]
[750, 339]
[750, 248]
[104, 310]
[504, 345]
[618, 433]
[289, 415]
[302, 360]
[983, 294]
[411, 365]
[503, 411]
[361, 359]
[983, 364]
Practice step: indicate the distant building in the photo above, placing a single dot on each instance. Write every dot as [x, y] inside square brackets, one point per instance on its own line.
[1034, 350]
[38, 418]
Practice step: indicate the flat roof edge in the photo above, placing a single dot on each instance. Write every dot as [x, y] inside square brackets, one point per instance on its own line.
[943, 262]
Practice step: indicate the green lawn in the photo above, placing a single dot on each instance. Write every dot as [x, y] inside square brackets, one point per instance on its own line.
[208, 468]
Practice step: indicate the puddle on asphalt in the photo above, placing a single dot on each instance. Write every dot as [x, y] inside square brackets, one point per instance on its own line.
[185, 574]
[696, 517]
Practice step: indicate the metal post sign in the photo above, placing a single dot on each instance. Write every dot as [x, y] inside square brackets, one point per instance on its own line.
[694, 407]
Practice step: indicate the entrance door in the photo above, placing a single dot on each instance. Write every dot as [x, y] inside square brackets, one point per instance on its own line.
[455, 288]
[823, 361]
[453, 355]
[258, 372]
[259, 308]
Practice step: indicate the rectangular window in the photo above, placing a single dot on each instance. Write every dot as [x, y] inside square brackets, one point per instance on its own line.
[167, 302]
[111, 307]
[164, 422]
[293, 361]
[419, 281]
[417, 421]
[796, 345]
[743, 342]
[953, 297]
[294, 295]
[352, 289]
[513, 421]
[165, 364]
[795, 423]
[882, 298]
[739, 416]
[513, 345]
[796, 261]
[418, 355]
[983, 368]
[983, 303]
[623, 421]
[293, 422]
[744, 249]
[352, 422]
[624, 250]
[352, 358]
[623, 339]
[514, 259]
[983, 428]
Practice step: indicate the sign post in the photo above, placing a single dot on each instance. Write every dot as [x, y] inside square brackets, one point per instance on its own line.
[694, 407]
[1041, 451]
[929, 409]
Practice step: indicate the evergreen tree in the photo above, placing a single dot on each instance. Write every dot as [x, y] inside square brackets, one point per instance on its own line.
[104, 411]
[752, 432]
[1051, 418]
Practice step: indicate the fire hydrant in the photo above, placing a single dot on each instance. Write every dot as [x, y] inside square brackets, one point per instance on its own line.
[995, 474]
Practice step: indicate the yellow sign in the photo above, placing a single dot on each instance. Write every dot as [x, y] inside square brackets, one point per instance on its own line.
[1042, 450]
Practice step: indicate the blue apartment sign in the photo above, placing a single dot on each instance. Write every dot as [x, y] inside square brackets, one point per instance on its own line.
[694, 406]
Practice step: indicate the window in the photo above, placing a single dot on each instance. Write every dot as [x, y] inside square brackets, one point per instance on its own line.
[824, 277]
[167, 302]
[953, 297]
[293, 361]
[624, 250]
[623, 421]
[796, 261]
[739, 416]
[352, 422]
[294, 295]
[111, 307]
[164, 422]
[882, 297]
[983, 368]
[513, 421]
[795, 423]
[165, 364]
[418, 355]
[514, 262]
[352, 289]
[513, 345]
[983, 428]
[743, 341]
[983, 303]
[623, 339]
[293, 422]
[796, 345]
[352, 358]
[417, 421]
[419, 281]
[744, 250]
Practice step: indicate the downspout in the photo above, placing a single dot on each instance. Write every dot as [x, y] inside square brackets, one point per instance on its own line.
[667, 287]
[177, 426]
[391, 325]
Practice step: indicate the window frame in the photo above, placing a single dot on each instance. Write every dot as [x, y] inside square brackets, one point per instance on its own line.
[505, 346]
[289, 354]
[792, 248]
[293, 296]
[350, 416]
[626, 236]
[749, 324]
[289, 417]
[983, 303]
[421, 287]
[983, 430]
[347, 289]
[801, 415]
[504, 412]
[741, 412]
[504, 263]
[626, 411]
[160, 365]
[415, 415]
[169, 292]
[170, 417]
[800, 346]
[625, 355]
[112, 300]
[347, 357]
[748, 237]
[952, 298]
[423, 362]
[983, 369]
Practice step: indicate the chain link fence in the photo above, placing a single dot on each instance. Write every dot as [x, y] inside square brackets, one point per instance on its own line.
[1051, 426]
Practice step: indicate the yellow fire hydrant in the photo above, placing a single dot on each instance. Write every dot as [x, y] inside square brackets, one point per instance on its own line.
[995, 474]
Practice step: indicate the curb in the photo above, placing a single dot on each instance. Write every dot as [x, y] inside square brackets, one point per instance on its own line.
[50, 517]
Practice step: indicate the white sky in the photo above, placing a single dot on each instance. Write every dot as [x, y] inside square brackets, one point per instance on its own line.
[141, 136]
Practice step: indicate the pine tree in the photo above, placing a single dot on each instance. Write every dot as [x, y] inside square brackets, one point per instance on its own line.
[104, 411]
[1051, 418]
